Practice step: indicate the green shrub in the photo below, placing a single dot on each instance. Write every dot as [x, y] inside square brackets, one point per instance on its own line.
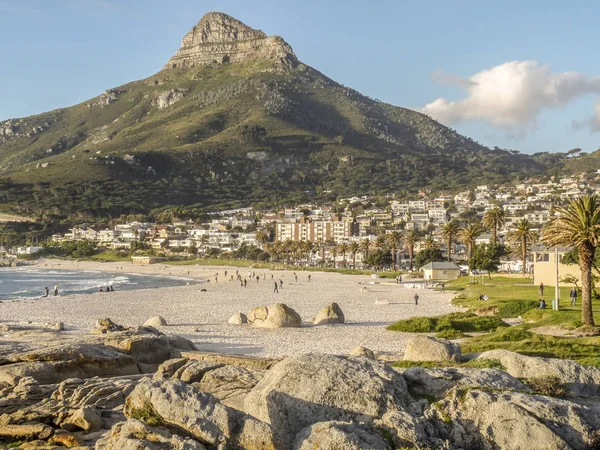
[516, 308]
[415, 325]
[510, 334]
[450, 334]
[550, 386]
[464, 322]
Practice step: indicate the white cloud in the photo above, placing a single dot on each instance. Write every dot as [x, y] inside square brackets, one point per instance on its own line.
[512, 95]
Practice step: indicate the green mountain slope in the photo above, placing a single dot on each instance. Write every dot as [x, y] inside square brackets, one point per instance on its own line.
[233, 119]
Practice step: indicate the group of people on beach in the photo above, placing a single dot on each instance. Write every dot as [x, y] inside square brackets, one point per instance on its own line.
[277, 284]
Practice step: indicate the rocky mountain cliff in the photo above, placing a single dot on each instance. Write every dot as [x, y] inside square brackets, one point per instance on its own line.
[234, 118]
[219, 38]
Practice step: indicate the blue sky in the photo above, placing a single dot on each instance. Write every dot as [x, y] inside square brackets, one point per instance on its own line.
[520, 75]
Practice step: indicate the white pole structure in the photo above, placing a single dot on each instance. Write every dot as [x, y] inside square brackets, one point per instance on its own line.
[556, 288]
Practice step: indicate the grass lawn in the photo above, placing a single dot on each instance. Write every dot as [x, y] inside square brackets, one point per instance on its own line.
[511, 297]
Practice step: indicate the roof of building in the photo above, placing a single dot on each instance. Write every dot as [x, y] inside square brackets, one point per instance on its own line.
[440, 265]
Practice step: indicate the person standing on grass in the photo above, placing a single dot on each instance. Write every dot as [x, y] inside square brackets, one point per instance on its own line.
[573, 295]
[416, 299]
[541, 289]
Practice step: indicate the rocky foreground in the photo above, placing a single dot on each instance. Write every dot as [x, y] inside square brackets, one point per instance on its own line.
[121, 389]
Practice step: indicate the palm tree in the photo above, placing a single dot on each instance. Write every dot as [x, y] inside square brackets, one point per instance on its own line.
[365, 246]
[494, 218]
[333, 252]
[380, 243]
[354, 248]
[469, 234]
[428, 243]
[522, 236]
[261, 238]
[343, 250]
[393, 240]
[449, 231]
[410, 240]
[578, 225]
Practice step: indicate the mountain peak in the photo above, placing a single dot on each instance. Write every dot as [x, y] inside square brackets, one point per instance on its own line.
[219, 38]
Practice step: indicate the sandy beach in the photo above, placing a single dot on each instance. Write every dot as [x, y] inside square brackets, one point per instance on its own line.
[202, 316]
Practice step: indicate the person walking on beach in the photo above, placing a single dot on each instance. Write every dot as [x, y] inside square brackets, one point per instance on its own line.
[416, 299]
[541, 289]
[443, 287]
[573, 295]
[225, 274]
[275, 289]
[295, 277]
[245, 282]
[55, 289]
[281, 283]
[309, 275]
[257, 278]
[47, 292]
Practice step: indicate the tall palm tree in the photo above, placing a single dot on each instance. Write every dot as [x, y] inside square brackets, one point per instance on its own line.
[393, 239]
[354, 248]
[410, 240]
[469, 234]
[365, 246]
[333, 252]
[448, 231]
[522, 236]
[493, 219]
[343, 250]
[578, 225]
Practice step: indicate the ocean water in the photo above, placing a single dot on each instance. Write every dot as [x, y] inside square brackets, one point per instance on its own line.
[25, 282]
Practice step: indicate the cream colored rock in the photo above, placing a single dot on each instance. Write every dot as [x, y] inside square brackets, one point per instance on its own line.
[339, 435]
[156, 321]
[238, 319]
[230, 384]
[425, 348]
[509, 420]
[331, 313]
[362, 352]
[201, 415]
[583, 381]
[302, 390]
[274, 316]
[136, 435]
[86, 419]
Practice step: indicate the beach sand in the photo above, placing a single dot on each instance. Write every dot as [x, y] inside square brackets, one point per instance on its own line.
[202, 316]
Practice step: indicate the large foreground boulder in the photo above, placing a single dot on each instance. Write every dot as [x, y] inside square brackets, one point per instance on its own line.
[427, 383]
[231, 384]
[339, 435]
[303, 390]
[510, 420]
[136, 435]
[331, 313]
[425, 348]
[583, 381]
[274, 316]
[176, 404]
